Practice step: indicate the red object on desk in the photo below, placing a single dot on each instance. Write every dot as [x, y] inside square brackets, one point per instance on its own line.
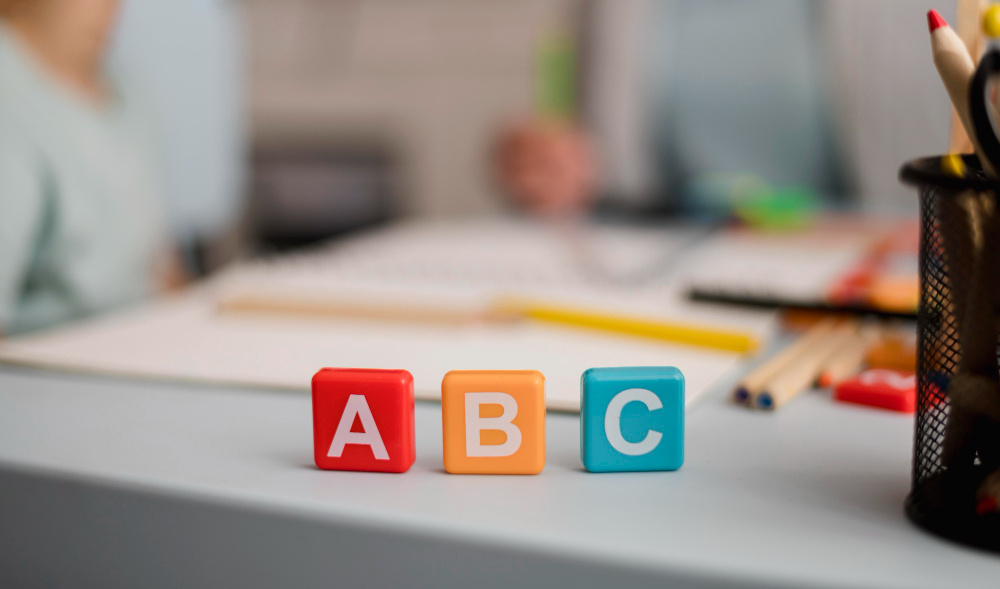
[879, 387]
[363, 420]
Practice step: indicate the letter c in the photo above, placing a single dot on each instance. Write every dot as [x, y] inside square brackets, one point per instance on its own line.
[612, 422]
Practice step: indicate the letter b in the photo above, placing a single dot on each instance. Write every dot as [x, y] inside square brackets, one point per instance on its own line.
[519, 396]
[474, 424]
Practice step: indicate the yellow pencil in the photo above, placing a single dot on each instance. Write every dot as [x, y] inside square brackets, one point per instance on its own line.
[702, 336]
[502, 312]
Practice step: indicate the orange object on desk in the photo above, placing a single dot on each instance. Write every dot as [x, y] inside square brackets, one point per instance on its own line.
[894, 293]
[494, 421]
[893, 353]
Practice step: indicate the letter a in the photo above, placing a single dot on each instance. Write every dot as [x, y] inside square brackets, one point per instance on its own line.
[475, 424]
[357, 405]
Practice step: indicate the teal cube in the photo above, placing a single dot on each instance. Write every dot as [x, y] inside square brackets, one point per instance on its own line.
[632, 419]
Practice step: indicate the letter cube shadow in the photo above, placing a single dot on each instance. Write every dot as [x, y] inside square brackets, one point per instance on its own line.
[363, 420]
[494, 421]
[632, 419]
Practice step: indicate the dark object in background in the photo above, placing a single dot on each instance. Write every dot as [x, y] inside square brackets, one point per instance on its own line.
[303, 194]
[957, 442]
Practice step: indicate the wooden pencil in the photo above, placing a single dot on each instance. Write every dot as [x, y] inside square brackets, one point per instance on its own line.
[978, 335]
[262, 305]
[959, 250]
[968, 27]
[800, 374]
[752, 383]
[504, 311]
[956, 69]
[848, 358]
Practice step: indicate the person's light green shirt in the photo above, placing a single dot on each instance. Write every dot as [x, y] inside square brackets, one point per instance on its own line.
[80, 218]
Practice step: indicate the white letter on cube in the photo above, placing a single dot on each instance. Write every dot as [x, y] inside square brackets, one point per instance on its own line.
[357, 405]
[612, 422]
[475, 424]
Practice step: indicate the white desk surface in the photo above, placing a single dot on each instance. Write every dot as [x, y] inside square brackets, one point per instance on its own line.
[811, 496]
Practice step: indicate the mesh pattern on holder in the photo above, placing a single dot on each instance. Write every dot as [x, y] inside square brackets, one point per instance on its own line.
[942, 501]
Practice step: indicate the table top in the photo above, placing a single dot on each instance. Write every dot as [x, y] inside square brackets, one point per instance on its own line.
[808, 496]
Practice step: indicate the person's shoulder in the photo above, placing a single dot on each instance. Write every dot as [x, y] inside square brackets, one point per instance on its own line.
[12, 66]
[124, 86]
[16, 114]
[131, 99]
[18, 144]
[22, 168]
[14, 135]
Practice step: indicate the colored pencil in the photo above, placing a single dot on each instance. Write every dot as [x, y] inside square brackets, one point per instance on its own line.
[502, 312]
[956, 69]
[694, 335]
[849, 358]
[968, 27]
[261, 305]
[754, 382]
[801, 373]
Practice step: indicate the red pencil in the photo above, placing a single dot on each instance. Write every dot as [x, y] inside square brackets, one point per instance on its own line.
[956, 68]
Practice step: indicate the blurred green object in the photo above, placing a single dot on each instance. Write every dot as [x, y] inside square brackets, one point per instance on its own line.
[556, 76]
[776, 209]
[752, 200]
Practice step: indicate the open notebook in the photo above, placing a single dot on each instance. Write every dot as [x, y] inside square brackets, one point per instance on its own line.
[449, 265]
[867, 265]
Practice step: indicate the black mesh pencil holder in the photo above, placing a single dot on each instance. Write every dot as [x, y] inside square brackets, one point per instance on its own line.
[955, 489]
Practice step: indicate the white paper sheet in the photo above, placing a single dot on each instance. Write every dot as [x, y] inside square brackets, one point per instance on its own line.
[186, 339]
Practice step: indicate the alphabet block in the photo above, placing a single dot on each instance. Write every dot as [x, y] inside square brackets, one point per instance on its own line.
[363, 420]
[494, 421]
[632, 419]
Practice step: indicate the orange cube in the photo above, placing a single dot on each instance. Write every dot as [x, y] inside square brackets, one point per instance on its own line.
[494, 421]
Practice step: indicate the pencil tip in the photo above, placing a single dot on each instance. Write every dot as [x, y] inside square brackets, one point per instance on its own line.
[764, 401]
[935, 21]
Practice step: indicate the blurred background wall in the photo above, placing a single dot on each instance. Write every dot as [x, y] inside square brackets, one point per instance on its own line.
[890, 104]
[430, 81]
[306, 118]
[881, 86]
[189, 58]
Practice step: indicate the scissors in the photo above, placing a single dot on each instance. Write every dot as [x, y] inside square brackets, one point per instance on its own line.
[983, 127]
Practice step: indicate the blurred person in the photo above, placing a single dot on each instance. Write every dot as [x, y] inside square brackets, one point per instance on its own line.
[548, 167]
[82, 228]
[689, 101]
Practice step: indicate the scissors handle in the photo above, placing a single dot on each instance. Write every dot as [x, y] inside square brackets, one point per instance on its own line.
[986, 135]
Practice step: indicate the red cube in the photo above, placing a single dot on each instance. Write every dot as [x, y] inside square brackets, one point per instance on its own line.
[363, 419]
